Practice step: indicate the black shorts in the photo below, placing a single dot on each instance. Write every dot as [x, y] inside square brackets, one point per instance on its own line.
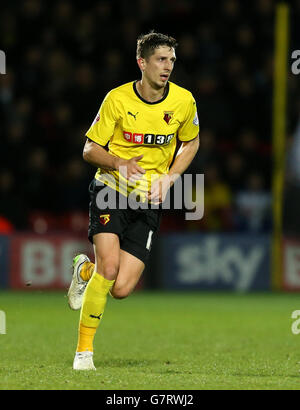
[136, 228]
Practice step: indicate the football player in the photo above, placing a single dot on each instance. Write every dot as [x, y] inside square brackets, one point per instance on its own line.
[131, 142]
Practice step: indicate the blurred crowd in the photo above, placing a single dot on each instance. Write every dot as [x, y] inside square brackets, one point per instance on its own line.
[64, 56]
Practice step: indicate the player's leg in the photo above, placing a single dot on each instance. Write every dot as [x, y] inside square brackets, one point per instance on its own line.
[130, 271]
[135, 252]
[107, 260]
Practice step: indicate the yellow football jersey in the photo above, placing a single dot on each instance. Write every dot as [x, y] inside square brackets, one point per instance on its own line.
[132, 126]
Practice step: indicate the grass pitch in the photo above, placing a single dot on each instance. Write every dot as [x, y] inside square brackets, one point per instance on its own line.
[154, 341]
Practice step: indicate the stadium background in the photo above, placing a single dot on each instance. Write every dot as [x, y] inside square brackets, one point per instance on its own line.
[63, 57]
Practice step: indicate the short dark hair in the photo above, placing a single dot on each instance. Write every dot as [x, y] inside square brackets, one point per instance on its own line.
[147, 43]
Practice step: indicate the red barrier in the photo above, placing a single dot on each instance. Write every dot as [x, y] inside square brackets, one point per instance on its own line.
[44, 261]
[291, 264]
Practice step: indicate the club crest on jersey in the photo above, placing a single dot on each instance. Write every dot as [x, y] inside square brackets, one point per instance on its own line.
[104, 219]
[168, 115]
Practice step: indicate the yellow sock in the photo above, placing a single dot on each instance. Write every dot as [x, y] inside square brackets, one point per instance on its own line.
[87, 271]
[94, 301]
[85, 338]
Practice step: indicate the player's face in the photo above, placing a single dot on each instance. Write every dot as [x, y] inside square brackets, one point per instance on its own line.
[158, 67]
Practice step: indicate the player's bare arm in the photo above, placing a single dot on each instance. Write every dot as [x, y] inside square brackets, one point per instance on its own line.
[184, 157]
[97, 156]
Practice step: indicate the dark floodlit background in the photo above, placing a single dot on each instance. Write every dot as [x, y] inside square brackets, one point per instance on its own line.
[62, 59]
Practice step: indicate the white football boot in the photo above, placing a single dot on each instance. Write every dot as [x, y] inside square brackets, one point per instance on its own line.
[83, 361]
[78, 285]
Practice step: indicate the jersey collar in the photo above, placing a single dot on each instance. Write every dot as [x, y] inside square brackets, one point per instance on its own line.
[148, 102]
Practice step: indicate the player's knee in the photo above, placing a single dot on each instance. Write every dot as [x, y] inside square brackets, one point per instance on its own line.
[110, 272]
[120, 292]
[109, 269]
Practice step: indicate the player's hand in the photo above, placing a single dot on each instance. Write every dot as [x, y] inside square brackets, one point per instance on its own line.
[130, 169]
[159, 190]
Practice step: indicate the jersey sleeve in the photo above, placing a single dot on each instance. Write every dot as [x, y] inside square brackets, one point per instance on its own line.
[103, 125]
[189, 129]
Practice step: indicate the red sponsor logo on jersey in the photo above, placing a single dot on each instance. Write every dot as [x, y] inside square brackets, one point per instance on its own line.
[148, 139]
[168, 116]
[138, 138]
[127, 136]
